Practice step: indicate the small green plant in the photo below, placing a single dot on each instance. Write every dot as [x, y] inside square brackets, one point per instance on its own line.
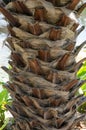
[4, 100]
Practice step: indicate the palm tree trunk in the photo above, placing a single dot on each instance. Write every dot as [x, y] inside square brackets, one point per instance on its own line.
[43, 75]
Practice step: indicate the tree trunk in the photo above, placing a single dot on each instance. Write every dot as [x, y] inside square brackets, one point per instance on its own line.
[43, 77]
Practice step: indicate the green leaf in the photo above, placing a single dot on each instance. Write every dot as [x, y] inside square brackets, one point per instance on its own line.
[82, 72]
[4, 95]
[83, 87]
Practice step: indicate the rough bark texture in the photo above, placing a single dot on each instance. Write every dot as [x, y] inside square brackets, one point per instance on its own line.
[43, 75]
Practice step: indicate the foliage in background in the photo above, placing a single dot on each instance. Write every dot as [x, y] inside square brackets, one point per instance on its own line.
[4, 100]
[82, 75]
[82, 108]
[82, 72]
